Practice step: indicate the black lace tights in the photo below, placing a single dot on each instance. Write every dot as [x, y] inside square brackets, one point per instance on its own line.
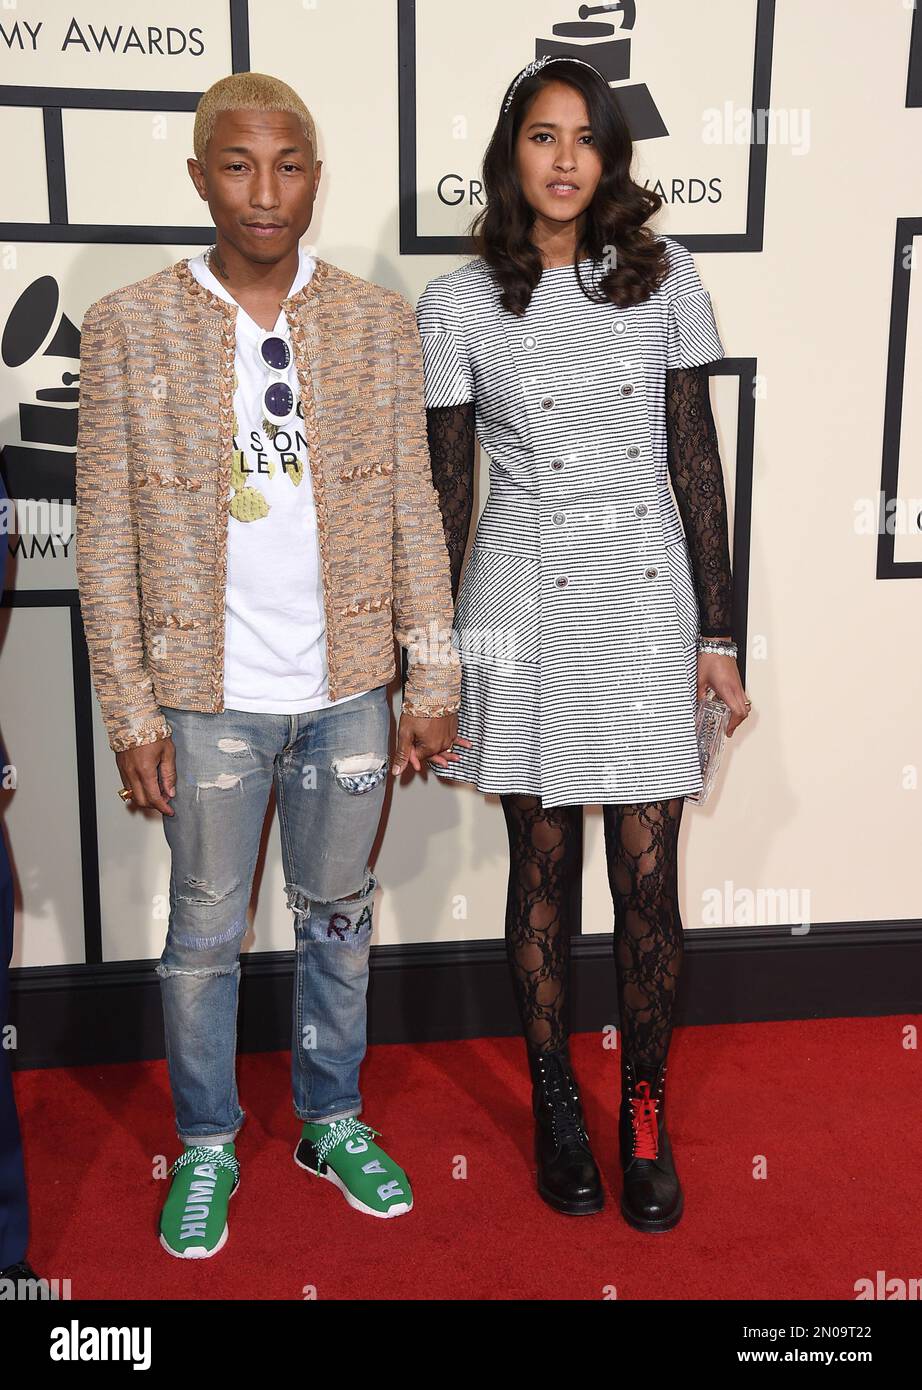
[545, 872]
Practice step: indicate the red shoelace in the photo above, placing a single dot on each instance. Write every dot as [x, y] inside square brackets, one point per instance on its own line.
[643, 1118]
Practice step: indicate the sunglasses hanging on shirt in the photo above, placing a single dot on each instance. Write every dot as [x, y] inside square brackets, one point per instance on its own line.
[278, 398]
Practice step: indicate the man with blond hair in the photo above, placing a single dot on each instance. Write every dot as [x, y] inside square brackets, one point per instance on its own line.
[255, 521]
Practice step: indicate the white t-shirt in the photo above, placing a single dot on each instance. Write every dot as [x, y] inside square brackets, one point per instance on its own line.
[275, 655]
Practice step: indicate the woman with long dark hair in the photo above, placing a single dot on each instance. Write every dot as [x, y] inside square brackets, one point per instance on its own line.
[589, 621]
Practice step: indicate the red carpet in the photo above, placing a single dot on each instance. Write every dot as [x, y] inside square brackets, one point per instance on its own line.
[832, 1105]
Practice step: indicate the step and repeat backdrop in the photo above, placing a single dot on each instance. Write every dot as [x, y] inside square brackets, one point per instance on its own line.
[784, 138]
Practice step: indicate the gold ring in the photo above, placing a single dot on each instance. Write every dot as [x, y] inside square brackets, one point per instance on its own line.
[125, 794]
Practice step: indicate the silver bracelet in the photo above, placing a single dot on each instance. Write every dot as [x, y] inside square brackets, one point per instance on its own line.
[714, 644]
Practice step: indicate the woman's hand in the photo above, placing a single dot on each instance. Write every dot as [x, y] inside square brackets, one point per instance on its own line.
[721, 673]
[458, 742]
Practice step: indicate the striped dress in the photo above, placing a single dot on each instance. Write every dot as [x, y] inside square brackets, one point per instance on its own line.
[577, 619]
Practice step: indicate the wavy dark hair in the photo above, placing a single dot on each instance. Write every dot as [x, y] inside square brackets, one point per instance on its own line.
[614, 219]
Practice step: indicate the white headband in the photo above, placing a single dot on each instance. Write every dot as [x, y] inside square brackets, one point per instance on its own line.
[540, 63]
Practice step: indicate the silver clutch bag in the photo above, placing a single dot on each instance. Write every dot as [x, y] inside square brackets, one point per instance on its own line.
[711, 719]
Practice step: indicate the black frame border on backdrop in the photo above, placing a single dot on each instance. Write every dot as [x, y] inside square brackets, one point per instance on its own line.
[914, 78]
[888, 567]
[415, 243]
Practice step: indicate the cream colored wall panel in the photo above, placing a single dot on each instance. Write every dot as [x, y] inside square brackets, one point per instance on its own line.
[41, 812]
[134, 865]
[149, 149]
[24, 187]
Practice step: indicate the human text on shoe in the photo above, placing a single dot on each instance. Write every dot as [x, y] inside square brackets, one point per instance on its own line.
[198, 1203]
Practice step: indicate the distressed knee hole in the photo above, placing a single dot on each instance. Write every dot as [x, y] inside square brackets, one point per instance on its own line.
[298, 901]
[359, 773]
[203, 892]
[348, 919]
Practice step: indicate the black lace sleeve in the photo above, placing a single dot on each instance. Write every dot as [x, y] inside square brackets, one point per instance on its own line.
[697, 479]
[451, 448]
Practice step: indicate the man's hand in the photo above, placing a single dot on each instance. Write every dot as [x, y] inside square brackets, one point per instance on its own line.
[419, 739]
[149, 773]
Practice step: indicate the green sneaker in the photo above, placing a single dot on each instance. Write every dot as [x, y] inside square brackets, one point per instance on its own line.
[193, 1223]
[343, 1152]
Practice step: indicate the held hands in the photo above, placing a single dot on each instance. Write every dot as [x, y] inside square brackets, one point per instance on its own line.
[721, 673]
[149, 773]
[420, 739]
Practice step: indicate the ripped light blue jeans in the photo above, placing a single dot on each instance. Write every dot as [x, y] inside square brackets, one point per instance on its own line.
[329, 767]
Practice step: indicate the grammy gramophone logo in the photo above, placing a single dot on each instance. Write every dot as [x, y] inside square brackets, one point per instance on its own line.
[603, 45]
[40, 442]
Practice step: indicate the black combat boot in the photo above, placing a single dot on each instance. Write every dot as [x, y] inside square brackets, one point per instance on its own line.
[568, 1178]
[652, 1197]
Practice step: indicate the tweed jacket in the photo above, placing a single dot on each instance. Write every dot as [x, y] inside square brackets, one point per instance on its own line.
[154, 449]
